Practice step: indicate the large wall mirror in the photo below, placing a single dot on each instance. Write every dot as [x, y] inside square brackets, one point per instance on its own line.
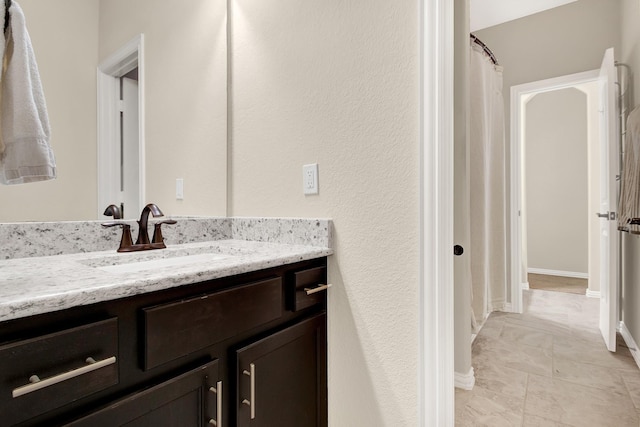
[185, 103]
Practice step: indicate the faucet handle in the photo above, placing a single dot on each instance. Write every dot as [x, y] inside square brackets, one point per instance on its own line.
[126, 242]
[157, 230]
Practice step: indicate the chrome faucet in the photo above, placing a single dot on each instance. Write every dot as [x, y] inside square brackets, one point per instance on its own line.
[142, 243]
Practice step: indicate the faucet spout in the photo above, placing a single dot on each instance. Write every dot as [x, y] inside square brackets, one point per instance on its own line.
[114, 211]
[143, 233]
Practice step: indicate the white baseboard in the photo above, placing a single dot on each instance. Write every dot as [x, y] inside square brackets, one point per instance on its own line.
[465, 381]
[496, 306]
[593, 294]
[525, 285]
[631, 343]
[560, 273]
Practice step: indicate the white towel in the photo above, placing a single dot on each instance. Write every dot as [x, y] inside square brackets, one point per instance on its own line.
[24, 123]
[629, 205]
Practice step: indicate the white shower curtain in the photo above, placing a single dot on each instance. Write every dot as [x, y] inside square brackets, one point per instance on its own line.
[488, 251]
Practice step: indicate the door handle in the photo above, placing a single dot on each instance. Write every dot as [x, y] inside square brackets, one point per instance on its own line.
[609, 215]
[217, 390]
[251, 402]
[458, 250]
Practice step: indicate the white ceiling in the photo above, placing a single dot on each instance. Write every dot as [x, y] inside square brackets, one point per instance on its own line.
[487, 13]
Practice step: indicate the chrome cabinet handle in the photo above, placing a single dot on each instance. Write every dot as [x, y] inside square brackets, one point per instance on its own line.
[252, 402]
[217, 390]
[35, 383]
[320, 288]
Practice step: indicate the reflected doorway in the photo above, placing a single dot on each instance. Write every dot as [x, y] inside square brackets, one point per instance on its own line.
[121, 142]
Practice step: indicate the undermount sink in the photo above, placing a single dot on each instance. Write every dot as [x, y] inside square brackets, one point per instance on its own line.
[155, 260]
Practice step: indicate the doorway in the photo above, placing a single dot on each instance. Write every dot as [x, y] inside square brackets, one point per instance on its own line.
[521, 95]
[556, 202]
[121, 136]
[129, 149]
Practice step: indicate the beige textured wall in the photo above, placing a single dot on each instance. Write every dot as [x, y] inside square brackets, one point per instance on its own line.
[557, 42]
[337, 83]
[556, 148]
[186, 104]
[67, 57]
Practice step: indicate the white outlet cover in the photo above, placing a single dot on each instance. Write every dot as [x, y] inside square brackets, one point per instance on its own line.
[310, 178]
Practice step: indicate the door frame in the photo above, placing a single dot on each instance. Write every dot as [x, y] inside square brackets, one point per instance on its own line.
[517, 149]
[436, 375]
[109, 71]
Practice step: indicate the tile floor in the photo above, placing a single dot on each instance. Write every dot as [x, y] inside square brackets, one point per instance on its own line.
[549, 367]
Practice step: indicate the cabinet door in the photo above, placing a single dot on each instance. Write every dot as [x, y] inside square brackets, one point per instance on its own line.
[282, 378]
[187, 400]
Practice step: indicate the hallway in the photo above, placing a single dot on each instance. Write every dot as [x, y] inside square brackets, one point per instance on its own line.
[549, 367]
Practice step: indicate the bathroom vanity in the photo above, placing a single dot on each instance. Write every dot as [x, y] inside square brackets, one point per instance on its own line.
[234, 334]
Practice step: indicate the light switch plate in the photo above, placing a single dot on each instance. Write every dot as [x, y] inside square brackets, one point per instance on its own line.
[179, 189]
[310, 178]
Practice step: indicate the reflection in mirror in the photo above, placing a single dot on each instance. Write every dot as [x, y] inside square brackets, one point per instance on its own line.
[184, 98]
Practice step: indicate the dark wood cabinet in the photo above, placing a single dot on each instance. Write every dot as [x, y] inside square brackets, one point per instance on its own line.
[48, 371]
[176, 329]
[176, 357]
[186, 400]
[281, 379]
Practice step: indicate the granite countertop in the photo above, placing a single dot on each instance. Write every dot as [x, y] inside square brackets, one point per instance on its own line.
[36, 285]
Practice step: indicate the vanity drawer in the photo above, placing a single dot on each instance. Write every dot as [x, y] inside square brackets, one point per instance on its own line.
[70, 365]
[180, 328]
[306, 288]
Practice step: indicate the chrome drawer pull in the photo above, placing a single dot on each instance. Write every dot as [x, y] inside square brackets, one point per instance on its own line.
[217, 390]
[36, 383]
[251, 403]
[319, 288]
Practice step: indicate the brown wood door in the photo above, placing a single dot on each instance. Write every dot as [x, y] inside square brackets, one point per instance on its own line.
[186, 400]
[282, 378]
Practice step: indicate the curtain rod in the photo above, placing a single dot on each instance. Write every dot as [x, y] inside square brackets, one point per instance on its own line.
[484, 47]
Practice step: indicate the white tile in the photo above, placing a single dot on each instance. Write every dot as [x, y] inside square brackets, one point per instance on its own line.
[578, 405]
[551, 364]
[482, 407]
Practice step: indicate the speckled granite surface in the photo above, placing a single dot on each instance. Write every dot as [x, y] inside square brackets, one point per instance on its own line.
[32, 285]
[36, 239]
[294, 231]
